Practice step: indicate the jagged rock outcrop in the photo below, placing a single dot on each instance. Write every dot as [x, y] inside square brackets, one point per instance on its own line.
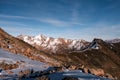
[98, 72]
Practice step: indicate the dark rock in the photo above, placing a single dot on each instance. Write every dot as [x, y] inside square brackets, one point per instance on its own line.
[43, 78]
[70, 78]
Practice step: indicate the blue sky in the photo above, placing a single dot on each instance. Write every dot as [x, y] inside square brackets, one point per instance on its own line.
[73, 19]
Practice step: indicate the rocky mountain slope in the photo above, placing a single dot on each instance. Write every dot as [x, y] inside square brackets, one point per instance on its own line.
[91, 56]
[18, 46]
[18, 62]
[98, 54]
[19, 67]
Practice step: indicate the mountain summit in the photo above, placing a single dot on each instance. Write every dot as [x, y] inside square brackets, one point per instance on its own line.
[54, 45]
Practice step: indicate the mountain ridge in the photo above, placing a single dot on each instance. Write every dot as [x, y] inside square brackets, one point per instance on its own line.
[53, 44]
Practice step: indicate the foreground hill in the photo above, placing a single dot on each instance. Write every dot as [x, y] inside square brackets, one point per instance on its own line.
[18, 67]
[19, 62]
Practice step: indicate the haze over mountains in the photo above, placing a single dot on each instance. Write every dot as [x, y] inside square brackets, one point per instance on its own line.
[72, 54]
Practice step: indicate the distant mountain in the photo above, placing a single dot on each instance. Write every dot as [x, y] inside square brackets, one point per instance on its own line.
[54, 45]
[113, 41]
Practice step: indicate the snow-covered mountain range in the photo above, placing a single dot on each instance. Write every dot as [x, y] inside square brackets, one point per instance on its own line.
[54, 44]
[61, 44]
[113, 41]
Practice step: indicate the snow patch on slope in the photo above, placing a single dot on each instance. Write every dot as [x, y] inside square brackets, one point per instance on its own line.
[26, 63]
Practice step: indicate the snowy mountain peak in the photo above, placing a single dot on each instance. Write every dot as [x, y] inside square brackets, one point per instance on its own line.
[95, 44]
[53, 44]
[41, 36]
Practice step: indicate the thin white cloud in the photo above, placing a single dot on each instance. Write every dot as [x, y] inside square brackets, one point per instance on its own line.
[12, 23]
[52, 21]
[59, 23]
[10, 16]
[75, 12]
[21, 30]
